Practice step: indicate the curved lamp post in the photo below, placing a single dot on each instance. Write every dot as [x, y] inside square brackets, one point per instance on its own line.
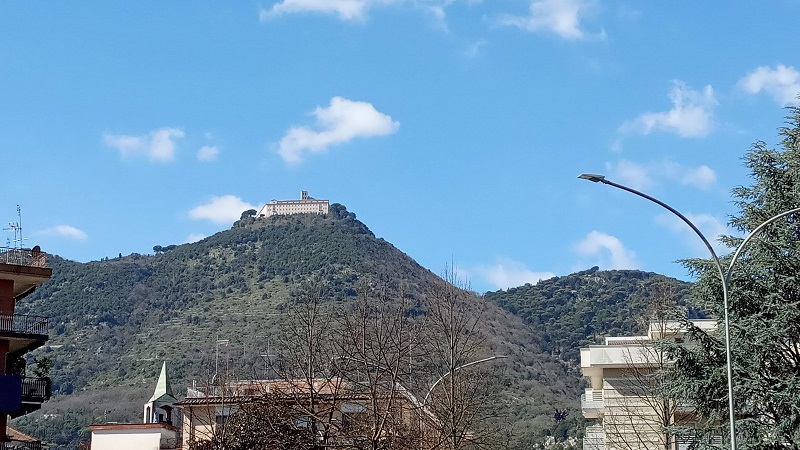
[723, 274]
[436, 383]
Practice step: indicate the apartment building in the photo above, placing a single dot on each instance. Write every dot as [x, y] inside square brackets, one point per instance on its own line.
[621, 402]
[21, 271]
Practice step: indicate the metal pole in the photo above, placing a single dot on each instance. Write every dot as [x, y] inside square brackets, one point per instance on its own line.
[436, 383]
[722, 276]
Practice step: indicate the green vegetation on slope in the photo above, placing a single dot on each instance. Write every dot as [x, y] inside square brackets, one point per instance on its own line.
[577, 310]
[114, 321]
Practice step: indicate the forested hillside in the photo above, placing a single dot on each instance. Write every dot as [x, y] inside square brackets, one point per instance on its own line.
[580, 309]
[114, 321]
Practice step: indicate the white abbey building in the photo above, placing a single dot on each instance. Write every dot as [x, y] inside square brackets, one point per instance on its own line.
[306, 205]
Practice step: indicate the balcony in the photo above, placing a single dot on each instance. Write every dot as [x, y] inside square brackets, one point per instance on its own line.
[594, 439]
[35, 391]
[23, 332]
[23, 257]
[26, 268]
[592, 404]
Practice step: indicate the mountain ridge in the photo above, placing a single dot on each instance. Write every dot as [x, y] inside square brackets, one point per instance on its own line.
[113, 321]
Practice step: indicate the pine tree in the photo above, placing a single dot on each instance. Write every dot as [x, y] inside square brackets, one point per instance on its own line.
[764, 310]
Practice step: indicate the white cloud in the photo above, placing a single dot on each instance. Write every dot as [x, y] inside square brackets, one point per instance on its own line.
[474, 49]
[345, 9]
[701, 177]
[157, 146]
[782, 83]
[631, 174]
[207, 153]
[506, 273]
[65, 231]
[194, 237]
[690, 115]
[342, 121]
[221, 210]
[561, 17]
[644, 176]
[711, 227]
[609, 251]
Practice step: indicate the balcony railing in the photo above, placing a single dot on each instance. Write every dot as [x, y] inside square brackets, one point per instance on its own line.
[594, 438]
[36, 390]
[592, 403]
[23, 257]
[20, 445]
[20, 323]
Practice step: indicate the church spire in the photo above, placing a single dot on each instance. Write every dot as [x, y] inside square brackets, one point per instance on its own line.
[163, 392]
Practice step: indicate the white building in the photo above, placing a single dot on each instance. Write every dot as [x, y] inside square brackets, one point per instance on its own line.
[134, 436]
[306, 205]
[621, 400]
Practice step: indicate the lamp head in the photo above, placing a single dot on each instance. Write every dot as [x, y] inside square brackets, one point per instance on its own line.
[592, 177]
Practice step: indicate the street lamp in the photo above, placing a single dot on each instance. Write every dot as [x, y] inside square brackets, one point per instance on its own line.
[722, 275]
[725, 276]
[436, 383]
[216, 357]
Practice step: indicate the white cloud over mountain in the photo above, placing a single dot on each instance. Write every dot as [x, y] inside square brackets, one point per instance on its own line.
[608, 251]
[507, 273]
[340, 122]
[66, 231]
[222, 210]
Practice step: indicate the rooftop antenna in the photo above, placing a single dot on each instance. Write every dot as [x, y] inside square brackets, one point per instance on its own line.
[16, 227]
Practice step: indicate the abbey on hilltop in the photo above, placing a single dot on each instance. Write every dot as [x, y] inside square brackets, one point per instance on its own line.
[306, 205]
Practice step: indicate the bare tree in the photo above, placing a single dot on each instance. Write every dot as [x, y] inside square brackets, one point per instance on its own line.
[380, 339]
[308, 350]
[346, 376]
[638, 414]
[461, 398]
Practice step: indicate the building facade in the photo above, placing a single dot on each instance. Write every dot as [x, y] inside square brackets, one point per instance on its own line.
[329, 406]
[21, 271]
[306, 205]
[134, 436]
[621, 402]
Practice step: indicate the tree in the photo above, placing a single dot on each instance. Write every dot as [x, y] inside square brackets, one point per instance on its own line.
[379, 341]
[248, 213]
[264, 423]
[763, 310]
[308, 347]
[642, 415]
[345, 377]
[461, 401]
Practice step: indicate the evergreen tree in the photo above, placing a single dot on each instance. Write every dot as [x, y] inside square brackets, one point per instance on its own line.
[764, 311]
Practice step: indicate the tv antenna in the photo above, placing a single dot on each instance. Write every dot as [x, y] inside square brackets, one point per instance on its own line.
[16, 227]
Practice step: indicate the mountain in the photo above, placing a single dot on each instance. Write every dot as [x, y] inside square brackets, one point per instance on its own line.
[114, 321]
[580, 309]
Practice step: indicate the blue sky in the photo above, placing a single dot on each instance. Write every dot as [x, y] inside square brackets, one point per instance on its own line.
[454, 129]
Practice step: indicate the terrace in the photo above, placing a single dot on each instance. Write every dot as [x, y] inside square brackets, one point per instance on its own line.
[23, 257]
[23, 332]
[27, 268]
